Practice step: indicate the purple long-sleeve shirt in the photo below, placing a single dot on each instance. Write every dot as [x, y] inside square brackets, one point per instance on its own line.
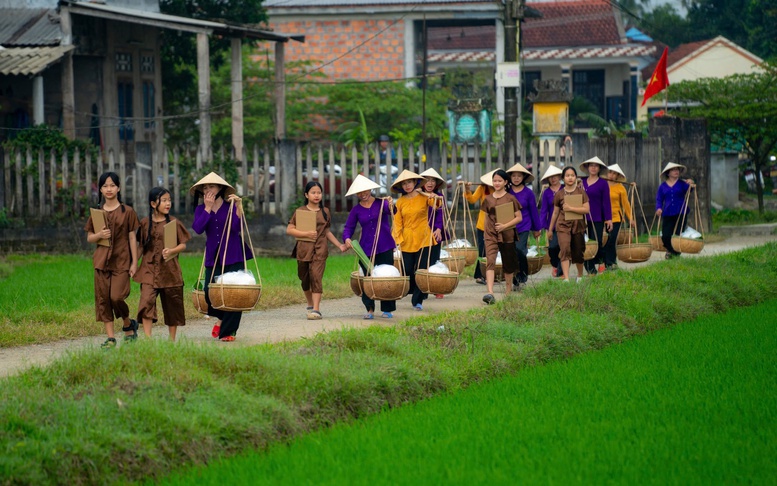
[213, 225]
[671, 199]
[599, 200]
[368, 220]
[530, 217]
[546, 209]
[439, 223]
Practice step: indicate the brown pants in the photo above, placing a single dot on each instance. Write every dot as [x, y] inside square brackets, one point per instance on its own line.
[311, 274]
[111, 289]
[172, 304]
[571, 247]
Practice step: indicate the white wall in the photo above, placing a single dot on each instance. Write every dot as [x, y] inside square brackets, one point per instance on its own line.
[717, 62]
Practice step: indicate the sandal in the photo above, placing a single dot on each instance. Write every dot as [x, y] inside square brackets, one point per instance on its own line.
[227, 339]
[215, 331]
[387, 315]
[480, 281]
[132, 327]
[489, 299]
[314, 315]
[368, 316]
[109, 343]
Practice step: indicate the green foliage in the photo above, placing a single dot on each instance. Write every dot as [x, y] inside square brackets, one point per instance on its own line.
[48, 138]
[741, 217]
[164, 403]
[739, 109]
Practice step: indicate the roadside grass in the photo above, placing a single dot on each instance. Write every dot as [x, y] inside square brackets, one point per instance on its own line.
[46, 298]
[143, 411]
[737, 217]
[694, 404]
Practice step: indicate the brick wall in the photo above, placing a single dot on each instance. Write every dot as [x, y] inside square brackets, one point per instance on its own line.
[381, 57]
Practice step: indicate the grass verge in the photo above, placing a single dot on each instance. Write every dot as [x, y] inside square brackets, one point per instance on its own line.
[142, 411]
[694, 404]
[46, 298]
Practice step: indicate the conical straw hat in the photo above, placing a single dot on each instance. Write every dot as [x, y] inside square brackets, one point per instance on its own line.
[550, 172]
[361, 184]
[212, 178]
[527, 176]
[671, 165]
[488, 178]
[592, 160]
[430, 172]
[406, 175]
[617, 169]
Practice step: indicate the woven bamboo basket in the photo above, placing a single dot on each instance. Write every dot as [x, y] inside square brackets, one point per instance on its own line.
[498, 271]
[386, 288]
[436, 283]
[623, 235]
[591, 248]
[470, 254]
[198, 299]
[634, 252]
[234, 298]
[657, 243]
[455, 264]
[535, 263]
[687, 245]
[606, 236]
[356, 283]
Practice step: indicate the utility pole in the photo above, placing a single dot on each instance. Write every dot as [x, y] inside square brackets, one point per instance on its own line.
[512, 25]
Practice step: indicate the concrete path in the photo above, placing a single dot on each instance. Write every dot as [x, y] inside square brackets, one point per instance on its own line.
[289, 323]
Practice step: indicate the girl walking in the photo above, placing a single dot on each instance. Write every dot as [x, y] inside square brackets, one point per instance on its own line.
[311, 255]
[670, 204]
[115, 259]
[159, 274]
[530, 217]
[570, 232]
[411, 229]
[484, 189]
[500, 237]
[375, 239]
[552, 178]
[432, 184]
[598, 192]
[621, 210]
[210, 218]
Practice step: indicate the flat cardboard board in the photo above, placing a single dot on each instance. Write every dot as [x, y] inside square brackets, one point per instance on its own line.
[505, 213]
[98, 221]
[575, 200]
[306, 221]
[171, 236]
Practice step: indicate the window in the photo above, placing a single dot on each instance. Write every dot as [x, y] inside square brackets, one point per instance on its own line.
[589, 84]
[527, 87]
[126, 132]
[148, 105]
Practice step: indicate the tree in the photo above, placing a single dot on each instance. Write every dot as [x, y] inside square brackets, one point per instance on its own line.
[741, 111]
[179, 56]
[666, 25]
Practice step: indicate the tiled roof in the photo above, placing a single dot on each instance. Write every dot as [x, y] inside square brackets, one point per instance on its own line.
[572, 23]
[632, 50]
[29, 27]
[359, 3]
[29, 61]
[462, 38]
[674, 56]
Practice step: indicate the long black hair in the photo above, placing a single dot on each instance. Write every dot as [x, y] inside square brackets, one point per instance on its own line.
[101, 182]
[503, 174]
[154, 195]
[310, 185]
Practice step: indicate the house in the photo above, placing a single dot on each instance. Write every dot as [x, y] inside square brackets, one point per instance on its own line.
[580, 41]
[94, 69]
[714, 58]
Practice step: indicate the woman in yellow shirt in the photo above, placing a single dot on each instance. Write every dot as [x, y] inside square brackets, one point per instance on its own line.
[484, 189]
[621, 209]
[411, 229]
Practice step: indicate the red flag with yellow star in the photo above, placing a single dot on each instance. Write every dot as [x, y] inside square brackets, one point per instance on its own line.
[659, 81]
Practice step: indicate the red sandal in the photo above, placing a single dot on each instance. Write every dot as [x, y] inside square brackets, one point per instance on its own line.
[227, 339]
[215, 331]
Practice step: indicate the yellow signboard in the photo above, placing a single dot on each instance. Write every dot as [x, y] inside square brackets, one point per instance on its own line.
[550, 118]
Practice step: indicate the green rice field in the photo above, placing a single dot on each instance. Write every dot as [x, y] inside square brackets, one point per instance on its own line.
[691, 404]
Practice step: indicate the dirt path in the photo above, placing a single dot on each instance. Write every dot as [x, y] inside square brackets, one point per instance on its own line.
[289, 323]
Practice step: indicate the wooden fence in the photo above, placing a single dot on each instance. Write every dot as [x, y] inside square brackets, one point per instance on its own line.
[43, 184]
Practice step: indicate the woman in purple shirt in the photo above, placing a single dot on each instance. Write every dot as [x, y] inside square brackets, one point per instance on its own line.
[367, 213]
[670, 204]
[210, 217]
[552, 178]
[530, 218]
[598, 191]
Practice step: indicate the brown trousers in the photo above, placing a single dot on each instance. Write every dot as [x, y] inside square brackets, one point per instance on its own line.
[311, 275]
[172, 304]
[111, 289]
